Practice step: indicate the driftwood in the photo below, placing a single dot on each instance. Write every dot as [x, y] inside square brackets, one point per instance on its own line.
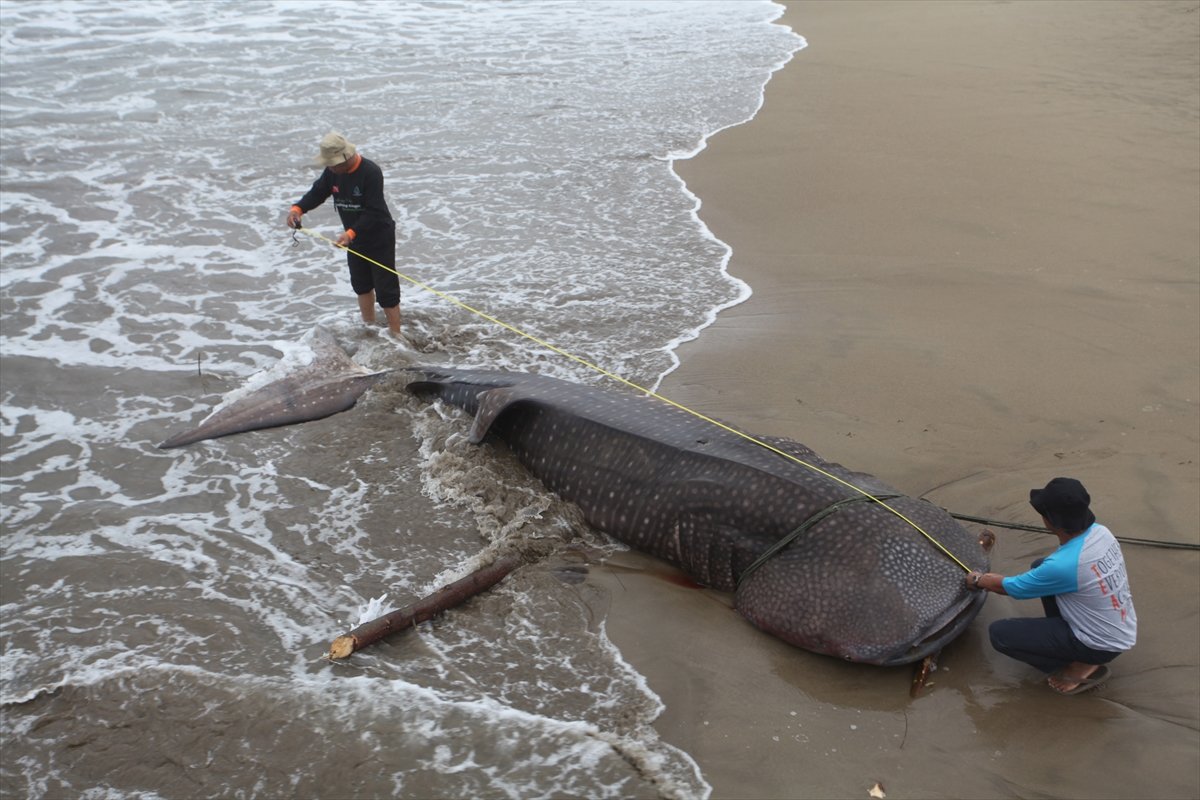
[425, 608]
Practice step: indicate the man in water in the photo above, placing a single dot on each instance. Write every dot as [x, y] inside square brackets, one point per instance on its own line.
[356, 184]
[1084, 589]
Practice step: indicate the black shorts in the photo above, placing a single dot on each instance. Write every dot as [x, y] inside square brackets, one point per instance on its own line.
[366, 277]
[1047, 643]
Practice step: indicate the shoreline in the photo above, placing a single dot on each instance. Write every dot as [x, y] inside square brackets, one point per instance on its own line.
[971, 236]
[689, 157]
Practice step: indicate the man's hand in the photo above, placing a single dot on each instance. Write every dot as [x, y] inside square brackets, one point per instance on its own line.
[344, 239]
[293, 218]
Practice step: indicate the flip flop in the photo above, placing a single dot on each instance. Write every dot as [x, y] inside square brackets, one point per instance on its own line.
[1092, 681]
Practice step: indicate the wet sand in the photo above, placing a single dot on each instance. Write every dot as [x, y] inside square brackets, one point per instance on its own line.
[973, 235]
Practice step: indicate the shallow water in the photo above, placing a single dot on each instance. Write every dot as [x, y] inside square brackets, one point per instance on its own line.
[165, 613]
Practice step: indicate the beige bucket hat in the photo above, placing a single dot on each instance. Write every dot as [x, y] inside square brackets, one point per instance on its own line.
[335, 149]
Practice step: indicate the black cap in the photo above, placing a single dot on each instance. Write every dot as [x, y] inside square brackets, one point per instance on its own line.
[1064, 504]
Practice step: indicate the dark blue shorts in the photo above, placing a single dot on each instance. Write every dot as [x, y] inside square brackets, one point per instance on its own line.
[1047, 643]
[367, 277]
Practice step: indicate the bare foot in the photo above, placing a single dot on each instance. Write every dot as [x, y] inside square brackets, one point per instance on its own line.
[1077, 677]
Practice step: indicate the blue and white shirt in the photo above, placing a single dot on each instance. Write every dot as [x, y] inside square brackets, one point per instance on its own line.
[1087, 576]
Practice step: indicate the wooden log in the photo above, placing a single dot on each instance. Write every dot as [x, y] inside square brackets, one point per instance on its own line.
[424, 609]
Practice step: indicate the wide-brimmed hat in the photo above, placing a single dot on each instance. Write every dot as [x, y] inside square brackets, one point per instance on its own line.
[335, 149]
[1064, 503]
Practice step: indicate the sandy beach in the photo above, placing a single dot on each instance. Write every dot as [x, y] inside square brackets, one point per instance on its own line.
[973, 235]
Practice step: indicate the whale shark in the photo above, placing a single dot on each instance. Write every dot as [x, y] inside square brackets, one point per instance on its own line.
[806, 546]
[830, 560]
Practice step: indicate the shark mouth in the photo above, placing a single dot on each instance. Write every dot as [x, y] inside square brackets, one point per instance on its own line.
[940, 637]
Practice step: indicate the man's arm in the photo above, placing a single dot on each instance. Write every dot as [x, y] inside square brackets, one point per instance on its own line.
[319, 193]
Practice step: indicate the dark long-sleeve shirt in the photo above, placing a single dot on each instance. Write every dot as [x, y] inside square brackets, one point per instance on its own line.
[358, 198]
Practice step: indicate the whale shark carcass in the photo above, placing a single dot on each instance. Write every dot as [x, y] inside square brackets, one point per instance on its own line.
[857, 581]
[806, 547]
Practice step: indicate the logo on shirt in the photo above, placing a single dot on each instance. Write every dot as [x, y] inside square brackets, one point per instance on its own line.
[356, 191]
[1112, 579]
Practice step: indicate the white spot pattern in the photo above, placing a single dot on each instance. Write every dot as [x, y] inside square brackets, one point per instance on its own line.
[860, 584]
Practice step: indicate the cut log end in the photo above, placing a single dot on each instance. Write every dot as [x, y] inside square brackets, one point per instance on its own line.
[342, 647]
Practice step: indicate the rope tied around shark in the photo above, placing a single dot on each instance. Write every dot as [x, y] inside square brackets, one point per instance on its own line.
[804, 527]
[865, 496]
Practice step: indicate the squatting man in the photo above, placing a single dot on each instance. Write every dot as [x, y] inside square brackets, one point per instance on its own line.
[1084, 590]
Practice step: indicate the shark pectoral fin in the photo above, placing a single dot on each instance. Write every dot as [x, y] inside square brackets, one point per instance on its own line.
[492, 404]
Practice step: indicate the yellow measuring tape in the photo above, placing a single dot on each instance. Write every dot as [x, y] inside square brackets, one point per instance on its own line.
[632, 385]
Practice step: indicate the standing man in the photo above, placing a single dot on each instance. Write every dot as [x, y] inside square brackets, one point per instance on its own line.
[1084, 590]
[356, 184]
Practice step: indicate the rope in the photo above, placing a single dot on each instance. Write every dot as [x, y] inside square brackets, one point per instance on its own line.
[803, 527]
[449, 298]
[1126, 539]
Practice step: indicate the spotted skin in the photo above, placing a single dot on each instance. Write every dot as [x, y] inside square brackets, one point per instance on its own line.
[331, 383]
[862, 584]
